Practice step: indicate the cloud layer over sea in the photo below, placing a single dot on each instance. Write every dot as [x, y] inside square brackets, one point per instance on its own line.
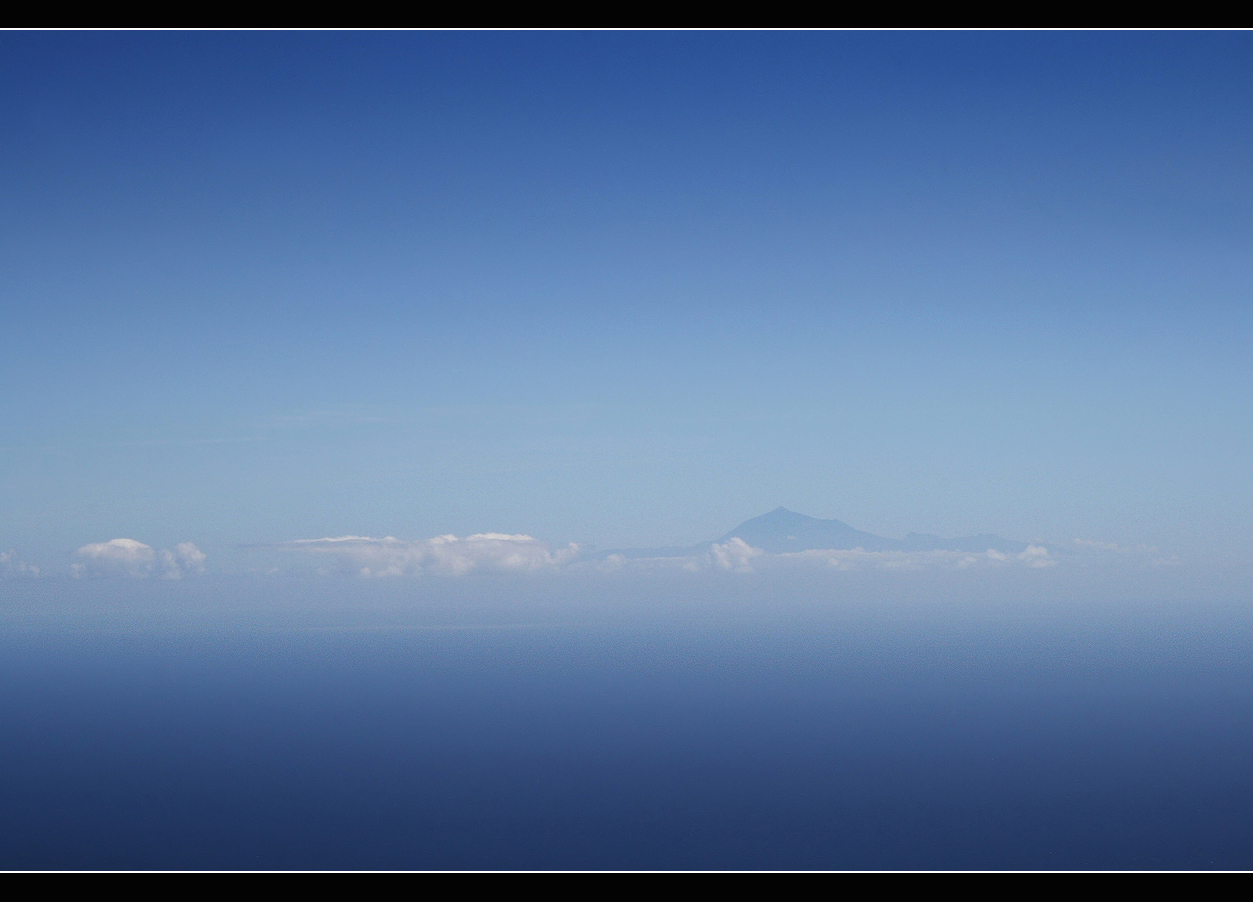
[452, 556]
[132, 559]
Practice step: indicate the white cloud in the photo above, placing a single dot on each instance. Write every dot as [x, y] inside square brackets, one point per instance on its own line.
[135, 560]
[444, 555]
[116, 557]
[12, 565]
[183, 558]
[1036, 556]
[452, 556]
[737, 556]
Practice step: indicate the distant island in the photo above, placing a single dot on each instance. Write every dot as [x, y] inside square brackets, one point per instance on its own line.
[782, 530]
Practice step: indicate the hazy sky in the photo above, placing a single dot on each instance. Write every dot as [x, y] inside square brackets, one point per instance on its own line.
[625, 288]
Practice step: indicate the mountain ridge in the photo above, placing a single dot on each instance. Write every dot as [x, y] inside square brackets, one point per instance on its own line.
[781, 531]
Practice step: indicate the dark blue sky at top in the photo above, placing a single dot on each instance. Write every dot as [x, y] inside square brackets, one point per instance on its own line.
[624, 287]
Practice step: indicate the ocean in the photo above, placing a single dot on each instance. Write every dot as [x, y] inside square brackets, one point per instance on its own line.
[172, 731]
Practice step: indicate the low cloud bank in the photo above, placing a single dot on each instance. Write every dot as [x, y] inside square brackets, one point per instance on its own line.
[443, 555]
[1033, 556]
[13, 566]
[130, 559]
[452, 556]
[736, 555]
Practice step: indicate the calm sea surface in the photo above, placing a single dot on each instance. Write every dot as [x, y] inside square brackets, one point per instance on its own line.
[1124, 743]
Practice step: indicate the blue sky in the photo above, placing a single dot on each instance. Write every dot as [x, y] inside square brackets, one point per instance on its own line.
[625, 288]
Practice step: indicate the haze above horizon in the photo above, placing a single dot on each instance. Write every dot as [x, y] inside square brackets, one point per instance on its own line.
[619, 289]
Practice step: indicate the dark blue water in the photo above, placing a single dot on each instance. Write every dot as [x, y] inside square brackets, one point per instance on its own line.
[1115, 745]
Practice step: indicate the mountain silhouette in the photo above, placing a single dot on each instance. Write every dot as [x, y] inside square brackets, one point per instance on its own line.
[782, 530]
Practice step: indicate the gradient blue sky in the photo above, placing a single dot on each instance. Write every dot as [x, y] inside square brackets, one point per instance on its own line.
[624, 288]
